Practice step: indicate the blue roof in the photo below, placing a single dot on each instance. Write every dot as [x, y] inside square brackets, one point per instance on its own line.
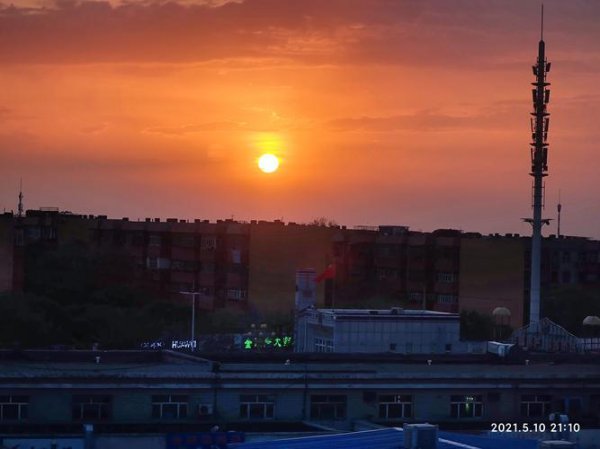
[485, 442]
[388, 438]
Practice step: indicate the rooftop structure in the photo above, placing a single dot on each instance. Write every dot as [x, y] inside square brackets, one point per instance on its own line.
[390, 438]
[364, 330]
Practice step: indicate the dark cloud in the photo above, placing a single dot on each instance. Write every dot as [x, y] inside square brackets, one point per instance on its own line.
[415, 122]
[313, 31]
[195, 128]
[21, 150]
[428, 121]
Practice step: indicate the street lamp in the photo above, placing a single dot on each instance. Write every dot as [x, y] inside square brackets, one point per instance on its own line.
[193, 295]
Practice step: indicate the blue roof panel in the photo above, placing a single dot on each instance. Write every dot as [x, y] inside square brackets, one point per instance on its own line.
[390, 438]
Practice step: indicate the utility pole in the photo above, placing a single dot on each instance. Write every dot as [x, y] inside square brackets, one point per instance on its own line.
[193, 294]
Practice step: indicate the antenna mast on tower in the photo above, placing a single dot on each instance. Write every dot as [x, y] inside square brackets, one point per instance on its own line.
[540, 122]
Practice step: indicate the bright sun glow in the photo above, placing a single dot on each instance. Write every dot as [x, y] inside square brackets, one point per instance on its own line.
[268, 163]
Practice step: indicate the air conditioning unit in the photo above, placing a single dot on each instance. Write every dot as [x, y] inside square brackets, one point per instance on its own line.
[205, 410]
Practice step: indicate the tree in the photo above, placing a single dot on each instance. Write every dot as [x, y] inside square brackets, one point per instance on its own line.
[476, 326]
[322, 221]
[568, 305]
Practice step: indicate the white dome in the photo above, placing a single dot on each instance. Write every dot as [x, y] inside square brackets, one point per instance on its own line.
[501, 311]
[591, 320]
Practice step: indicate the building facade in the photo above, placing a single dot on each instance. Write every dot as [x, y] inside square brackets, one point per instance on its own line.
[253, 265]
[56, 393]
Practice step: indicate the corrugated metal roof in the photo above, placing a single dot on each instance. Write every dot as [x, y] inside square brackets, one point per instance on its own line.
[372, 439]
[390, 438]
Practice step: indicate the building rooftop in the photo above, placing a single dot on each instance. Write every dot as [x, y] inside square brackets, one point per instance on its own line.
[132, 366]
[387, 438]
[394, 311]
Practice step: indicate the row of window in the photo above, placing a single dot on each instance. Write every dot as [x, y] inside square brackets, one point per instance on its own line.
[391, 273]
[262, 406]
[439, 298]
[163, 263]
[206, 242]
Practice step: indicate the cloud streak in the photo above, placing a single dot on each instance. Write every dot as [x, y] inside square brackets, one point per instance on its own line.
[309, 31]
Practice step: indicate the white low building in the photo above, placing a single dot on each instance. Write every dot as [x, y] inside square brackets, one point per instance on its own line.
[375, 331]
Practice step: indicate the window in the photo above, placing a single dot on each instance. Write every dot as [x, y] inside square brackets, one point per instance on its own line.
[33, 233]
[137, 239]
[387, 273]
[91, 407]
[256, 406]
[446, 299]
[385, 250]
[236, 294]
[447, 278]
[13, 408]
[466, 406]
[169, 406]
[208, 242]
[184, 241]
[184, 265]
[154, 240]
[157, 263]
[323, 345]
[535, 405]
[328, 407]
[178, 287]
[395, 406]
[415, 296]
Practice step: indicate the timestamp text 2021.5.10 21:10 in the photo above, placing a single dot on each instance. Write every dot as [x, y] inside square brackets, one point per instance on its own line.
[535, 427]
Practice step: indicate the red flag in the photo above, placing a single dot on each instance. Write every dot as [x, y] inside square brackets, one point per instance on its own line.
[329, 273]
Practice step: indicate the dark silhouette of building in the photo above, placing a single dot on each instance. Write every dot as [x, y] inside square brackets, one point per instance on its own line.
[253, 265]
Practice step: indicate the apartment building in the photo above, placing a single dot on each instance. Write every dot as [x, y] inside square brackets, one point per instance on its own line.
[253, 264]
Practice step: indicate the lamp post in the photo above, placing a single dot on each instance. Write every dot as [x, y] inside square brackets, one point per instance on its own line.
[193, 293]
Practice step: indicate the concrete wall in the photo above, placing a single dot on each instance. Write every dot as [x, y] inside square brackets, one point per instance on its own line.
[52, 407]
[377, 335]
[409, 336]
[492, 275]
[428, 403]
[134, 407]
[6, 253]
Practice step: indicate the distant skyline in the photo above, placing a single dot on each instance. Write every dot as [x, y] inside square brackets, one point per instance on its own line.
[399, 112]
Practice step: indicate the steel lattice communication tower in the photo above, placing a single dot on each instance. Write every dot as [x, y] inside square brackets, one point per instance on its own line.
[540, 122]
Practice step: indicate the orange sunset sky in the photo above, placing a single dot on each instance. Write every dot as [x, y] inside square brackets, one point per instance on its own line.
[405, 112]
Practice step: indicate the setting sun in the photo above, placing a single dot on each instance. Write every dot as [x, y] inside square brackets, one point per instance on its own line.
[268, 163]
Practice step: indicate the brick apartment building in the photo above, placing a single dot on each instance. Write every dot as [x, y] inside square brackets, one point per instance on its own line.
[445, 270]
[253, 265]
[228, 263]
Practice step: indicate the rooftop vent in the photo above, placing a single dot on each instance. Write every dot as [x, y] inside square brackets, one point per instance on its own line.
[420, 436]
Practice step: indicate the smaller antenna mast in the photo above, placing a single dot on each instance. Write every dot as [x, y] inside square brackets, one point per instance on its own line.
[20, 206]
[558, 208]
